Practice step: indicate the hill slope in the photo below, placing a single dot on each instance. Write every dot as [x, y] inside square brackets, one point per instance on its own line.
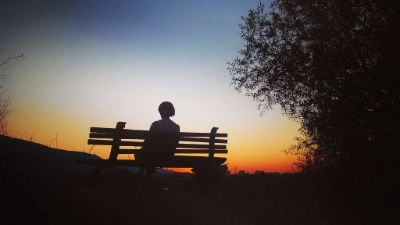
[17, 154]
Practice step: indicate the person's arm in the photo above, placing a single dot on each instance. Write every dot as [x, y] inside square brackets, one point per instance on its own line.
[153, 126]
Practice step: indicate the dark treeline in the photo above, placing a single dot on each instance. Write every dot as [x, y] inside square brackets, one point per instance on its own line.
[334, 67]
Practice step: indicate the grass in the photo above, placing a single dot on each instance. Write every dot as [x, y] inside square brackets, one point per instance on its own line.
[35, 191]
[116, 198]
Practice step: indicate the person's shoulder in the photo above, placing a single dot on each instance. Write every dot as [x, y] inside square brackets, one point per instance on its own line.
[154, 125]
[176, 126]
[156, 122]
[173, 122]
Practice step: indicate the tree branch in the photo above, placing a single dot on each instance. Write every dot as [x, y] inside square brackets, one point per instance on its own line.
[11, 58]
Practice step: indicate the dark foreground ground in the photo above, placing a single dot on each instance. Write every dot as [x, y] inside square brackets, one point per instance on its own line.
[40, 185]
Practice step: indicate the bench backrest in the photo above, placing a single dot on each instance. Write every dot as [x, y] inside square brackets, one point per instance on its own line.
[188, 143]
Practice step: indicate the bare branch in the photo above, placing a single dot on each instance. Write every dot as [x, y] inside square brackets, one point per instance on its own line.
[9, 59]
[5, 100]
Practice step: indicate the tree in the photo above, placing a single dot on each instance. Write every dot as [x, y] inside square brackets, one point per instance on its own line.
[4, 98]
[333, 67]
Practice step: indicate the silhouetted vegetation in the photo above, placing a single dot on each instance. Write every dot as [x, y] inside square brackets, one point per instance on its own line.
[4, 97]
[334, 67]
[45, 185]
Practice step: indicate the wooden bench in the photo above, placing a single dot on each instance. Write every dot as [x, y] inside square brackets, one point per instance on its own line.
[194, 150]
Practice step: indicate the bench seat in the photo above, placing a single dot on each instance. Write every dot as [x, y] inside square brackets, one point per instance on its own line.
[194, 150]
[173, 162]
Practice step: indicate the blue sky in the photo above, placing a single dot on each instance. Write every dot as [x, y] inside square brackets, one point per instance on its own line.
[93, 63]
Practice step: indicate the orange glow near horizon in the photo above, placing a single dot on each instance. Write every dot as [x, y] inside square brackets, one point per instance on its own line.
[251, 148]
[98, 63]
[254, 142]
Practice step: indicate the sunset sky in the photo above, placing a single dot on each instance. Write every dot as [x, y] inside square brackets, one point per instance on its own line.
[94, 63]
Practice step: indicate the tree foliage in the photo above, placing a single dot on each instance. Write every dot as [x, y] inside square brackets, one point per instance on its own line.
[331, 65]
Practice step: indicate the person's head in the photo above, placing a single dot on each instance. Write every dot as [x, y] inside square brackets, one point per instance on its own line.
[166, 109]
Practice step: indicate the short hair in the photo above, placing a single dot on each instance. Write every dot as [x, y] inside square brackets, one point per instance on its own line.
[166, 109]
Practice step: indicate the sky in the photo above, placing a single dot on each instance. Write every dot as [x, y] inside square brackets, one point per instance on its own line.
[94, 63]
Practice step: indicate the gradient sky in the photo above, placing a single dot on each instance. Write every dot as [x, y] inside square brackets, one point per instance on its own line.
[94, 63]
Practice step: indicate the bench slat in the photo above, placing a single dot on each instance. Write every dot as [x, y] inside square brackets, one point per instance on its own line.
[196, 151]
[200, 146]
[178, 151]
[101, 135]
[202, 140]
[142, 133]
[111, 136]
[140, 143]
[177, 161]
[124, 136]
[191, 161]
[192, 134]
[102, 130]
[110, 142]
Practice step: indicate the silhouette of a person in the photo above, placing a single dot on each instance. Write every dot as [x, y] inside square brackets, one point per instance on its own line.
[166, 110]
[162, 140]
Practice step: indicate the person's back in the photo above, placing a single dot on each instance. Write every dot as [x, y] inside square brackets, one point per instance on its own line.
[164, 125]
[161, 142]
[163, 134]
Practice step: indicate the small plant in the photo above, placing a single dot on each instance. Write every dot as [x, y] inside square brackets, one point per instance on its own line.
[5, 99]
[4, 112]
